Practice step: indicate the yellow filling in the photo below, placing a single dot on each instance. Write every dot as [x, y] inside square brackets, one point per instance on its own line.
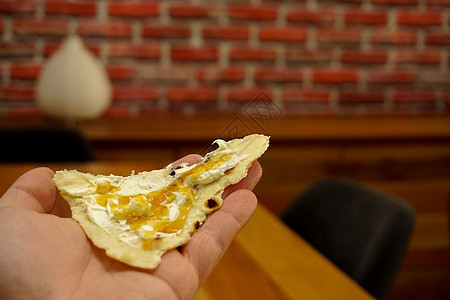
[152, 209]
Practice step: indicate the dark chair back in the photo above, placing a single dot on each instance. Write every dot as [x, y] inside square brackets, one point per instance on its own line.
[364, 232]
[44, 144]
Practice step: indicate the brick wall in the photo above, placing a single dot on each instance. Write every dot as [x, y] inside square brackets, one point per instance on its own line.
[309, 56]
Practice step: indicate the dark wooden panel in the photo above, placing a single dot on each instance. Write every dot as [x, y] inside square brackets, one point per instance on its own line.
[126, 151]
[396, 160]
[426, 283]
[425, 195]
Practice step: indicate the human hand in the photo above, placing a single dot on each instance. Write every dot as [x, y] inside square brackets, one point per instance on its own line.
[46, 256]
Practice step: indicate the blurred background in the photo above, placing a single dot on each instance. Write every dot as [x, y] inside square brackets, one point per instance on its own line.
[356, 89]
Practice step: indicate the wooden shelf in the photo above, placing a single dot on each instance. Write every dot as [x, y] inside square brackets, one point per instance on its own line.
[178, 127]
[182, 128]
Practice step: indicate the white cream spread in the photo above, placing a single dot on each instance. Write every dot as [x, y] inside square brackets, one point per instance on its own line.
[99, 215]
[174, 207]
[140, 185]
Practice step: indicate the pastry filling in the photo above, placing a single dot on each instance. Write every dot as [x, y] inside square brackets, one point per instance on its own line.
[150, 216]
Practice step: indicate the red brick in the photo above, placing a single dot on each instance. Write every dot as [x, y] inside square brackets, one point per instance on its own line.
[205, 53]
[25, 70]
[349, 1]
[437, 38]
[17, 48]
[105, 29]
[202, 94]
[414, 96]
[166, 31]
[225, 75]
[142, 51]
[193, 11]
[135, 93]
[308, 56]
[419, 18]
[394, 37]
[335, 76]
[252, 12]
[243, 94]
[29, 111]
[40, 27]
[309, 16]
[415, 57]
[50, 48]
[133, 9]
[438, 2]
[360, 57]
[17, 93]
[22, 6]
[283, 34]
[392, 77]
[120, 71]
[278, 1]
[356, 16]
[70, 8]
[2, 26]
[230, 32]
[347, 97]
[252, 54]
[309, 96]
[278, 76]
[395, 2]
[343, 36]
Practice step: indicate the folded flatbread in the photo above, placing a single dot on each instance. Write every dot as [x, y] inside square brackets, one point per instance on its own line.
[136, 219]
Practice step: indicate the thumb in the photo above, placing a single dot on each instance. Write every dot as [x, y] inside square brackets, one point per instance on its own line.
[34, 190]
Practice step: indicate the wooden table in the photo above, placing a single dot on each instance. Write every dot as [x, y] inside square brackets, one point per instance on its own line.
[266, 260]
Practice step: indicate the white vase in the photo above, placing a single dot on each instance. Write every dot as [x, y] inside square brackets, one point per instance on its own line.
[73, 83]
